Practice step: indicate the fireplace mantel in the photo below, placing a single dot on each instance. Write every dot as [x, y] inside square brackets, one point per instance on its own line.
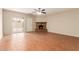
[41, 26]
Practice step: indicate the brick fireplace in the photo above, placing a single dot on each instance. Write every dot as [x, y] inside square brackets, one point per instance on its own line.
[41, 26]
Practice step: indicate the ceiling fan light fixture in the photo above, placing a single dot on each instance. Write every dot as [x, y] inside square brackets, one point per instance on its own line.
[39, 13]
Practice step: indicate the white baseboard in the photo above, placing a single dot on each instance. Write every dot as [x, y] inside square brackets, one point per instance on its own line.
[65, 34]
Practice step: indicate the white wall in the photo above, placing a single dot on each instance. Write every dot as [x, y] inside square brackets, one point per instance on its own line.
[7, 23]
[28, 24]
[42, 18]
[64, 23]
[1, 32]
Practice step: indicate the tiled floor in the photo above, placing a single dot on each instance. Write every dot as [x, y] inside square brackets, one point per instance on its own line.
[39, 41]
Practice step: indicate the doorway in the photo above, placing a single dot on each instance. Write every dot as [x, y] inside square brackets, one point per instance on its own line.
[18, 25]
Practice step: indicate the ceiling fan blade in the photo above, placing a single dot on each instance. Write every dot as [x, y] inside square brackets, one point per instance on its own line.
[43, 9]
[35, 9]
[39, 8]
[44, 12]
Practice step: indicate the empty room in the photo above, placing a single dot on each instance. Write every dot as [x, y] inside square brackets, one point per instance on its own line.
[39, 29]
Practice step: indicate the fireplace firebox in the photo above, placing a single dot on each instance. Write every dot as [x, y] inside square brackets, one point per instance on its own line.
[41, 26]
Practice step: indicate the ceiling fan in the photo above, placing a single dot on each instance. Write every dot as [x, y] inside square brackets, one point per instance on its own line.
[40, 11]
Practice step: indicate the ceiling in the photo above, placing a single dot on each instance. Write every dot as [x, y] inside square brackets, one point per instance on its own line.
[30, 10]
